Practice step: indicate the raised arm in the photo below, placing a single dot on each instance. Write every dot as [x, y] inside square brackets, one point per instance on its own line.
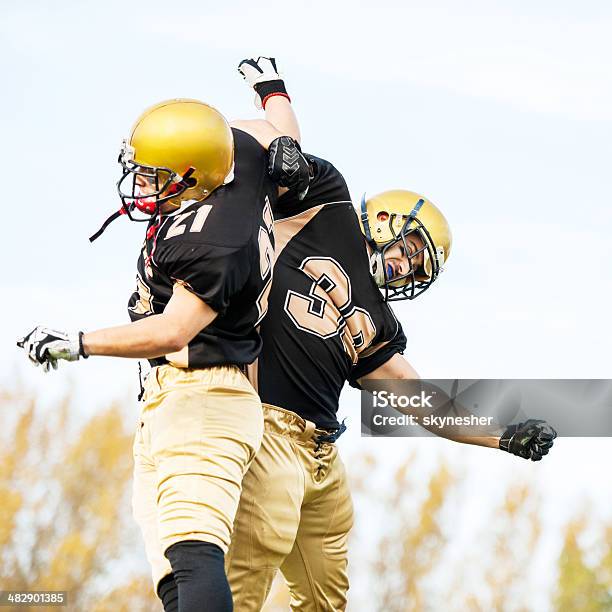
[271, 94]
[279, 132]
[530, 440]
[390, 376]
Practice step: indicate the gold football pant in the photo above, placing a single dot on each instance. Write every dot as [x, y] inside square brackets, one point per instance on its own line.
[295, 514]
[198, 432]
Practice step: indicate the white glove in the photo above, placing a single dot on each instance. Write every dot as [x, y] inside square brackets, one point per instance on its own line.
[46, 346]
[262, 75]
[258, 70]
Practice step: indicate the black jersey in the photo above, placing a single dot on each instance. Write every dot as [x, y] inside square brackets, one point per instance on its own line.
[327, 322]
[221, 249]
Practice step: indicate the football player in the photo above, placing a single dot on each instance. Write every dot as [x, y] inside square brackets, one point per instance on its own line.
[203, 276]
[328, 323]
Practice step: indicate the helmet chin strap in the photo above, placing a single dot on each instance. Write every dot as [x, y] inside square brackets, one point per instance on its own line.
[377, 268]
[106, 223]
[175, 189]
[376, 259]
[365, 222]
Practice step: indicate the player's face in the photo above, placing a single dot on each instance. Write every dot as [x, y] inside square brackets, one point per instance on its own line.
[144, 185]
[400, 262]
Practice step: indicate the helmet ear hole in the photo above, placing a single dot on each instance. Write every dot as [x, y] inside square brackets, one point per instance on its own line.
[383, 215]
[191, 182]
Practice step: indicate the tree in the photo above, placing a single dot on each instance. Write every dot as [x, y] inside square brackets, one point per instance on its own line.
[583, 586]
[65, 520]
[66, 524]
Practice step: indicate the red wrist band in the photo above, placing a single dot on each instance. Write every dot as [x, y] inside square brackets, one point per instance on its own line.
[271, 95]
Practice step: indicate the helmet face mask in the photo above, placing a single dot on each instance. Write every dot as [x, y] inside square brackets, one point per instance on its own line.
[404, 226]
[414, 282]
[142, 198]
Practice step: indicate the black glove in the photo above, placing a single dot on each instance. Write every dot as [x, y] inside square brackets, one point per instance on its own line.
[529, 440]
[288, 167]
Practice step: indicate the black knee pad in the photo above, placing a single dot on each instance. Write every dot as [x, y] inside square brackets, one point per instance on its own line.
[167, 591]
[199, 572]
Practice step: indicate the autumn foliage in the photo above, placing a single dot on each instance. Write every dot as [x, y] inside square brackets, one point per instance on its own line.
[65, 518]
[66, 524]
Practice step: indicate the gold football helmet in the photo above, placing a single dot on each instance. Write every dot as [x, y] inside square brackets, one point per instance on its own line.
[178, 150]
[390, 218]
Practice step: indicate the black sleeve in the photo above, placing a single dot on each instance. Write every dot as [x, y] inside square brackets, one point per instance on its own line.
[213, 273]
[382, 354]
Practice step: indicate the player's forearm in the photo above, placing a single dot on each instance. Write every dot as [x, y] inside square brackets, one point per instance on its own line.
[486, 441]
[391, 377]
[280, 113]
[487, 436]
[145, 339]
[477, 435]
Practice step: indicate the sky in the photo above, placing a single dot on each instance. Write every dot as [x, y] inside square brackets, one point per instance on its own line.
[499, 112]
